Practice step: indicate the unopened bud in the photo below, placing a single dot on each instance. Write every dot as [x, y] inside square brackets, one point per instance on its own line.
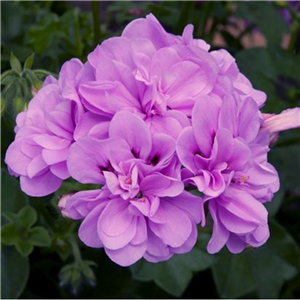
[62, 204]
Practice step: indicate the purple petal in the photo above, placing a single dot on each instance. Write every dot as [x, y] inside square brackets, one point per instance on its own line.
[161, 186]
[235, 244]
[127, 255]
[88, 122]
[228, 116]
[30, 148]
[40, 186]
[133, 130]
[249, 122]
[117, 226]
[240, 157]
[60, 121]
[52, 157]
[112, 183]
[87, 158]
[220, 234]
[15, 158]
[235, 224]
[163, 149]
[187, 148]
[189, 203]
[166, 125]
[110, 48]
[141, 232]
[245, 206]
[51, 142]
[155, 246]
[70, 69]
[289, 118]
[177, 227]
[60, 170]
[223, 147]
[36, 166]
[204, 119]
[82, 203]
[189, 243]
[143, 205]
[154, 259]
[262, 175]
[88, 229]
[107, 97]
[149, 29]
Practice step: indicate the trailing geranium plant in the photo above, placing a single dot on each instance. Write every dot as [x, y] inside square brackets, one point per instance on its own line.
[149, 117]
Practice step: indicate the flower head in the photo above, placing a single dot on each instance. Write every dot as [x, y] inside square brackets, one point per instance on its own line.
[225, 155]
[142, 202]
[55, 118]
[148, 114]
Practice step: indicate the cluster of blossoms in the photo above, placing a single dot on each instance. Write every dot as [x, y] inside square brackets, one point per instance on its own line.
[148, 117]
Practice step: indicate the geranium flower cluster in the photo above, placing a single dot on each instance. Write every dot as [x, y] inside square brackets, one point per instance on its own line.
[147, 118]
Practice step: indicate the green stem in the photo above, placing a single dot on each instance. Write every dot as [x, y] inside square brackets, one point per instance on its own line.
[294, 35]
[184, 16]
[96, 20]
[40, 207]
[75, 249]
[78, 37]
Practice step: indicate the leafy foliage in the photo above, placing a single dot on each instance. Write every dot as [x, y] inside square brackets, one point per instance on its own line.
[174, 275]
[19, 231]
[263, 270]
[16, 270]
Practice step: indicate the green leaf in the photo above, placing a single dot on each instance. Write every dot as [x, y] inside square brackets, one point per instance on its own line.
[29, 62]
[39, 236]
[15, 63]
[87, 272]
[270, 272]
[9, 74]
[14, 271]
[3, 106]
[287, 162]
[232, 275]
[32, 77]
[11, 217]
[12, 198]
[9, 234]
[24, 247]
[173, 275]
[276, 202]
[264, 269]
[283, 245]
[27, 217]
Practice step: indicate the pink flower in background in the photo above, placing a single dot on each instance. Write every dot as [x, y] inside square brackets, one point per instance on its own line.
[288, 119]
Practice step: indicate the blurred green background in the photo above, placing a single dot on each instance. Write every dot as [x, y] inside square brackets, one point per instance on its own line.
[41, 254]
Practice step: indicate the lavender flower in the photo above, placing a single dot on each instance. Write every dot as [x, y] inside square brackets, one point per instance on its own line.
[225, 155]
[44, 133]
[142, 211]
[149, 113]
